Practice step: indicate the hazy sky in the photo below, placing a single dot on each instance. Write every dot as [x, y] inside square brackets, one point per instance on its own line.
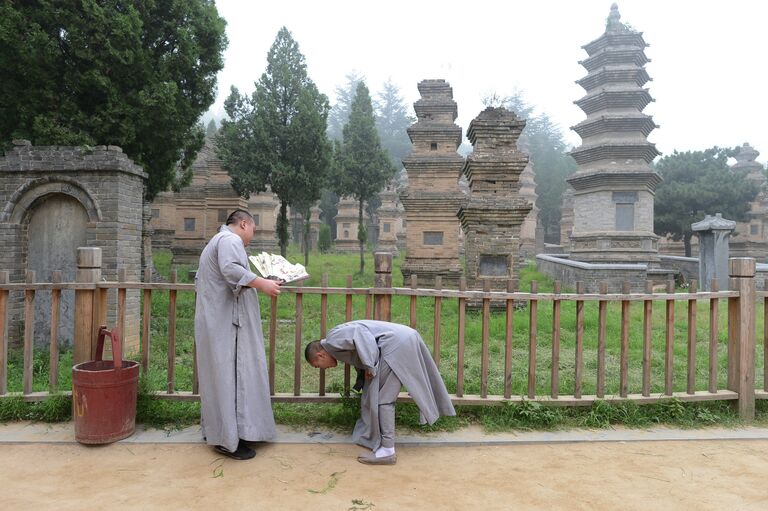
[709, 60]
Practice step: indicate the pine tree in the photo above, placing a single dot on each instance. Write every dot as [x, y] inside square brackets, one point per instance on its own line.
[278, 139]
[697, 183]
[392, 121]
[362, 167]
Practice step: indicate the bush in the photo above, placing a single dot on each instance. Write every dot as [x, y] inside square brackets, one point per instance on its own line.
[324, 239]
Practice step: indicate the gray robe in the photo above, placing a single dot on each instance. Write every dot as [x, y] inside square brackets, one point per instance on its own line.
[363, 344]
[231, 366]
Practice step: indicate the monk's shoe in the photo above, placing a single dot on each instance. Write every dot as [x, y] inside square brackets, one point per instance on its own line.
[371, 459]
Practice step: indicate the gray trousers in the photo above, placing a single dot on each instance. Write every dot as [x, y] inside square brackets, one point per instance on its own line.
[389, 389]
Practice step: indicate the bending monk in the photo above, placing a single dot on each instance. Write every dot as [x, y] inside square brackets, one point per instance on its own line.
[391, 355]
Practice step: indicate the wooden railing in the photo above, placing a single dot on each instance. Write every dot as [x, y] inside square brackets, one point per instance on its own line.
[92, 304]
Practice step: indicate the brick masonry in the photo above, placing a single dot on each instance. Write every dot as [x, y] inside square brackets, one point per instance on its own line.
[109, 188]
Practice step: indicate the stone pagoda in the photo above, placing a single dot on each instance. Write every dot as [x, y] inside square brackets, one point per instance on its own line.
[492, 215]
[432, 196]
[614, 184]
[346, 226]
[389, 217]
[528, 229]
[751, 237]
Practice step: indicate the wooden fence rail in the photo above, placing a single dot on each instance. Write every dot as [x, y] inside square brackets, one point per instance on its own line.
[91, 307]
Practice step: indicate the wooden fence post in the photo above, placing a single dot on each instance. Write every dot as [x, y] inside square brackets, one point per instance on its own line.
[382, 305]
[88, 271]
[741, 334]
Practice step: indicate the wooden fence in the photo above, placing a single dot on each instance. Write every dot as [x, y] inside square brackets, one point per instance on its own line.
[91, 311]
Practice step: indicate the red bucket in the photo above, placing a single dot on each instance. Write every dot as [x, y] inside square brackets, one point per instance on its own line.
[104, 395]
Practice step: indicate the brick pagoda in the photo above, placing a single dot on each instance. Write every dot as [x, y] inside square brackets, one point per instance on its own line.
[492, 215]
[432, 196]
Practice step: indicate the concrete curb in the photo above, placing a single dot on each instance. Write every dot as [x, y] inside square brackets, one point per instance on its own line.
[63, 433]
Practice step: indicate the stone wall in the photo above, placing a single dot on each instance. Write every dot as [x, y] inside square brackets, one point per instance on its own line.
[54, 197]
[592, 275]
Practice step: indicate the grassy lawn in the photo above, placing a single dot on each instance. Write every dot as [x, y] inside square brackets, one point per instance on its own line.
[338, 267]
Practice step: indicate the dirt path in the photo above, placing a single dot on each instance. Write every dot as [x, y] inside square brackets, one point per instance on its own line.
[698, 475]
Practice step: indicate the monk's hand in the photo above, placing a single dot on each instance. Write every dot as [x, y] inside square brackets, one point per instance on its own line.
[266, 286]
[368, 375]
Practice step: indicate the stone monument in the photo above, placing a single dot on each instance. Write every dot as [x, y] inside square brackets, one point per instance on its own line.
[713, 233]
[432, 196]
[492, 216]
[55, 199]
[614, 184]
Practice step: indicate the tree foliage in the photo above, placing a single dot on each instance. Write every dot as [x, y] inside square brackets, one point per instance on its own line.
[345, 95]
[392, 121]
[277, 137]
[362, 168]
[134, 74]
[545, 144]
[697, 183]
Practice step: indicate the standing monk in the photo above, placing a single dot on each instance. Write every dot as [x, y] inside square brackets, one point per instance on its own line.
[391, 355]
[231, 367]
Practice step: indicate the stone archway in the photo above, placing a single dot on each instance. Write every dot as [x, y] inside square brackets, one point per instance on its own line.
[57, 225]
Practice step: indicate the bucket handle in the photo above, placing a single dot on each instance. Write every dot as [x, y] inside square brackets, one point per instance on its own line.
[114, 334]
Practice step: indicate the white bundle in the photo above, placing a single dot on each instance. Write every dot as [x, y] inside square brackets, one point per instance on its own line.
[276, 267]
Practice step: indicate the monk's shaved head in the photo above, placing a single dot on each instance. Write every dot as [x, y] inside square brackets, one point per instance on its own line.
[311, 351]
[238, 216]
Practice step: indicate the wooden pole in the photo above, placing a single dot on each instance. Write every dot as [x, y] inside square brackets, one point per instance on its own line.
[323, 326]
[669, 351]
[647, 339]
[555, 369]
[509, 328]
[3, 334]
[532, 317]
[382, 262]
[53, 362]
[172, 335]
[29, 332]
[714, 327]
[146, 323]
[579, 359]
[88, 271]
[741, 339]
[624, 368]
[602, 313]
[297, 341]
[691, 387]
[484, 357]
[438, 314]
[460, 344]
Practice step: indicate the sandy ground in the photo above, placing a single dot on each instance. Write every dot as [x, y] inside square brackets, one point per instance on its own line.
[700, 475]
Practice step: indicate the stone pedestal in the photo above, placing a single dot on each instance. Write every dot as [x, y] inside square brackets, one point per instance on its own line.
[492, 216]
[432, 196]
[713, 233]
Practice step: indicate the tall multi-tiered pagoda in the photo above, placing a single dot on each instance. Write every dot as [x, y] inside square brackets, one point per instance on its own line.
[614, 184]
[751, 237]
[432, 196]
[492, 215]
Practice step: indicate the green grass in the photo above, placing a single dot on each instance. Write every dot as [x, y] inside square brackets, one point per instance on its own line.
[155, 412]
